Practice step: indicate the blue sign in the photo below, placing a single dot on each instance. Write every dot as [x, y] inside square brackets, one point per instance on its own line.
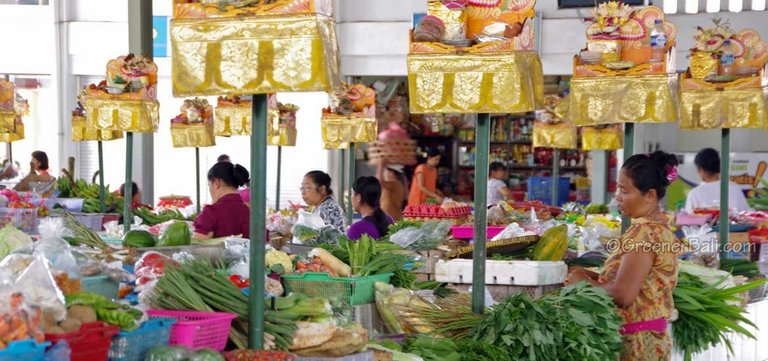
[160, 36]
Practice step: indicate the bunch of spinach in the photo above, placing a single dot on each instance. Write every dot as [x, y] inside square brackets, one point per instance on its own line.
[578, 323]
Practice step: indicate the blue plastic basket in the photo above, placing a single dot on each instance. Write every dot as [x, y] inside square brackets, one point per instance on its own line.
[26, 350]
[540, 189]
[134, 345]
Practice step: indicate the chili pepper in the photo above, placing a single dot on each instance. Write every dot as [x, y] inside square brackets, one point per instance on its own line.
[238, 281]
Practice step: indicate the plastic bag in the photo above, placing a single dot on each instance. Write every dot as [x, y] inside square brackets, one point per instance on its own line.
[511, 231]
[307, 227]
[54, 248]
[60, 352]
[704, 245]
[149, 268]
[39, 286]
[430, 235]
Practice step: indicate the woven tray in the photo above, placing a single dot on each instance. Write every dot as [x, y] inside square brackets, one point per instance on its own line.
[504, 246]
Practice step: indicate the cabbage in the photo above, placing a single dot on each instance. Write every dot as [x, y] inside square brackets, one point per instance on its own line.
[12, 239]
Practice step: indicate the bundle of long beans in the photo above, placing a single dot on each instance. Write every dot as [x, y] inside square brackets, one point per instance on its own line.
[198, 286]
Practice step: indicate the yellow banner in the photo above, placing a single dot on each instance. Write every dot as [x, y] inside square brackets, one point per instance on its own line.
[254, 55]
[626, 99]
[137, 116]
[608, 138]
[81, 132]
[511, 82]
[198, 135]
[18, 134]
[561, 135]
[730, 108]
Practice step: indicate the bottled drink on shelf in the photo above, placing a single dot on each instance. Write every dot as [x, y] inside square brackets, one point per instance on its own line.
[658, 42]
[726, 59]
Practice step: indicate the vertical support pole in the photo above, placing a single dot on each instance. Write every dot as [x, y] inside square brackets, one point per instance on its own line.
[607, 179]
[482, 136]
[555, 177]
[343, 178]
[258, 227]
[629, 150]
[197, 179]
[9, 149]
[102, 196]
[128, 194]
[279, 171]
[725, 163]
[350, 181]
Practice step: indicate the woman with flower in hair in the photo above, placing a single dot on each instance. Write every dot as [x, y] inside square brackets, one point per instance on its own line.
[642, 271]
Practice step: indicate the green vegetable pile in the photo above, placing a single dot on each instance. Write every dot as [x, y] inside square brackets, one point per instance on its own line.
[367, 257]
[596, 208]
[578, 323]
[707, 313]
[740, 267]
[151, 218]
[123, 316]
[198, 286]
[179, 353]
[433, 349]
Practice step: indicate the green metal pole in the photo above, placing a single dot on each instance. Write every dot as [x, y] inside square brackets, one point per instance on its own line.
[102, 196]
[629, 150]
[10, 152]
[197, 179]
[482, 136]
[607, 195]
[258, 226]
[343, 178]
[279, 171]
[351, 181]
[555, 176]
[725, 161]
[128, 195]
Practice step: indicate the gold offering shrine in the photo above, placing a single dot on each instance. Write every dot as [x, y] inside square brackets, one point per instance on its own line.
[500, 74]
[286, 45]
[614, 80]
[351, 118]
[737, 101]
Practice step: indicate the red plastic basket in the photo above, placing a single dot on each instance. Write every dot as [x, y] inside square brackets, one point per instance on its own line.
[91, 342]
[198, 329]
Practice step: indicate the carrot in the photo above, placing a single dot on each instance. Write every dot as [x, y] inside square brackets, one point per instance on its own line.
[125, 291]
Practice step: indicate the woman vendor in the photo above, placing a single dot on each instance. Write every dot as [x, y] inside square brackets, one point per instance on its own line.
[424, 185]
[642, 271]
[366, 195]
[228, 215]
[316, 191]
[38, 173]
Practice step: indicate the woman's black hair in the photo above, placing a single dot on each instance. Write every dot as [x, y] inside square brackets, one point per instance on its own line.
[708, 160]
[496, 166]
[433, 152]
[223, 158]
[42, 158]
[134, 189]
[651, 171]
[369, 190]
[233, 175]
[321, 179]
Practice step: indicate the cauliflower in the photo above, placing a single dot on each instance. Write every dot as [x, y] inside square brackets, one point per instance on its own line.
[279, 258]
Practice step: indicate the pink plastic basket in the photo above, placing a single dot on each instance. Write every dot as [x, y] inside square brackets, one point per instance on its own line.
[468, 232]
[198, 330]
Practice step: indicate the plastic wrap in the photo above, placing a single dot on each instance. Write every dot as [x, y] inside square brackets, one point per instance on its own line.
[704, 245]
[149, 268]
[511, 231]
[427, 237]
[32, 275]
[393, 306]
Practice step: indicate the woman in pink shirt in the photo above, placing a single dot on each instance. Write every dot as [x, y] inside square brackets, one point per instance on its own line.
[228, 215]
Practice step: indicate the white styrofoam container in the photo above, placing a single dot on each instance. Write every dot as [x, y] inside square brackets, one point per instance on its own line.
[517, 273]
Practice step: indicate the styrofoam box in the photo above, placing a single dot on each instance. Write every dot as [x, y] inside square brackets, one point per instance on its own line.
[518, 273]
